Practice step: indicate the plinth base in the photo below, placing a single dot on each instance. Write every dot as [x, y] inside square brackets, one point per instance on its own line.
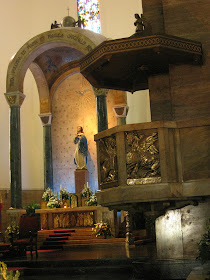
[81, 177]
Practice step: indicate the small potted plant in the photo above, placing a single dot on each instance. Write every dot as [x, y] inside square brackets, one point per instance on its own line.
[64, 196]
[31, 207]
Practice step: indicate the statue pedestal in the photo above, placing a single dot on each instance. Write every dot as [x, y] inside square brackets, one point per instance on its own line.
[81, 177]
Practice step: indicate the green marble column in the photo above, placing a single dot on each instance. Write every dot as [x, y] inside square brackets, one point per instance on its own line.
[102, 121]
[48, 165]
[15, 100]
[47, 140]
[15, 158]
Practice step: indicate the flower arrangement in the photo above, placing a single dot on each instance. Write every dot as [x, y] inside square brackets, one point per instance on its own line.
[11, 233]
[47, 195]
[92, 200]
[64, 194]
[54, 202]
[204, 245]
[102, 229]
[5, 275]
[86, 192]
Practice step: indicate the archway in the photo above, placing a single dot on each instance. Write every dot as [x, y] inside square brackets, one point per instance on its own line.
[52, 57]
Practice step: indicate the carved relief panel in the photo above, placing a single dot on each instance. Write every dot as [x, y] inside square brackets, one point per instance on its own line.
[69, 219]
[108, 159]
[142, 157]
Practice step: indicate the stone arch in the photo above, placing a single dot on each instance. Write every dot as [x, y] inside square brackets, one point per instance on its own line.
[76, 38]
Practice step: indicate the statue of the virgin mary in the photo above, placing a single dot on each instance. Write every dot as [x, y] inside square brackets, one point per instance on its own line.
[80, 155]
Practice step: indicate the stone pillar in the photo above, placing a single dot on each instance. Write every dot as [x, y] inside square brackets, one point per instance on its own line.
[15, 100]
[153, 13]
[160, 98]
[81, 177]
[121, 111]
[150, 218]
[48, 162]
[129, 236]
[102, 120]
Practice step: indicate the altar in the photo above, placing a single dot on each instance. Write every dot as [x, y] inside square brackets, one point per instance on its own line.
[84, 216]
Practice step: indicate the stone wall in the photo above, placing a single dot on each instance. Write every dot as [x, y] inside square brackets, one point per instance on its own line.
[179, 231]
[74, 104]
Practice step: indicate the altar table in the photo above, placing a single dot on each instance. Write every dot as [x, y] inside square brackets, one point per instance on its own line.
[85, 216]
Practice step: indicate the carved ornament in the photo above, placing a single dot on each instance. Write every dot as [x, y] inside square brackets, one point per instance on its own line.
[15, 99]
[100, 91]
[108, 159]
[142, 157]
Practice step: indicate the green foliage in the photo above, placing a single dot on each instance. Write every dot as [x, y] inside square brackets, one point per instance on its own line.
[5, 275]
[30, 208]
[204, 245]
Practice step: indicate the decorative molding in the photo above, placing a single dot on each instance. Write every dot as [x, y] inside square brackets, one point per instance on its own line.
[14, 99]
[131, 44]
[100, 91]
[46, 119]
[121, 110]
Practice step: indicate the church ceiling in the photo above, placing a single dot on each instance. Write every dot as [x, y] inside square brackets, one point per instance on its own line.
[56, 61]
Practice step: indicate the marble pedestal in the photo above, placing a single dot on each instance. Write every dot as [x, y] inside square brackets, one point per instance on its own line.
[81, 177]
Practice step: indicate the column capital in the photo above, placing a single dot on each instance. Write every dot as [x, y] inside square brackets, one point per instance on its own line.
[46, 119]
[100, 91]
[15, 99]
[121, 110]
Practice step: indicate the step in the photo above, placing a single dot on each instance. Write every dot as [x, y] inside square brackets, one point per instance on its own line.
[59, 234]
[57, 238]
[57, 247]
[64, 230]
[96, 240]
[50, 243]
[81, 237]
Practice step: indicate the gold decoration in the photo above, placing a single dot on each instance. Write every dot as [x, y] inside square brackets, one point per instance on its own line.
[142, 156]
[72, 220]
[100, 91]
[80, 220]
[11, 99]
[108, 159]
[15, 98]
[44, 221]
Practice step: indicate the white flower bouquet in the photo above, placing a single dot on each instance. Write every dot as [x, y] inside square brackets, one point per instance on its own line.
[54, 202]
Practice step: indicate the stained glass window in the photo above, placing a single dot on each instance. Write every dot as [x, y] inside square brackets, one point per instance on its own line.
[88, 11]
